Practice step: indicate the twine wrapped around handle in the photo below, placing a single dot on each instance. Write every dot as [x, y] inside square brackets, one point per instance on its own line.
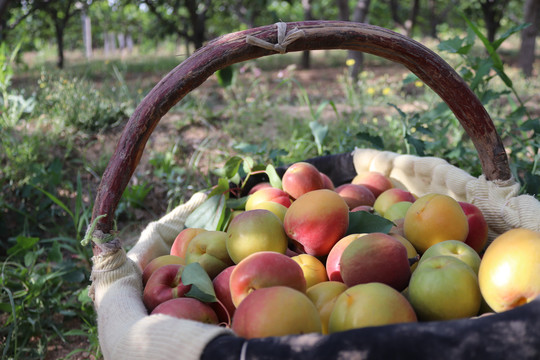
[284, 38]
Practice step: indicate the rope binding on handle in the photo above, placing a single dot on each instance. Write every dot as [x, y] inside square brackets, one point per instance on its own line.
[284, 38]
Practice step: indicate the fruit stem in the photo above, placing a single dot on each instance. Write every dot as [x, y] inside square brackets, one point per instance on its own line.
[414, 260]
[228, 323]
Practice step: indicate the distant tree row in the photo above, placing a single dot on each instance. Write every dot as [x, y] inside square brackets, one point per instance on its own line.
[86, 24]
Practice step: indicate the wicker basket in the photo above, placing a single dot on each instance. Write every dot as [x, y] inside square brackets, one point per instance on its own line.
[127, 332]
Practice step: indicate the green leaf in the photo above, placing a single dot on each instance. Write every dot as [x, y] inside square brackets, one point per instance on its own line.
[364, 222]
[400, 112]
[409, 79]
[56, 201]
[84, 298]
[5, 307]
[224, 220]
[209, 214]
[319, 132]
[532, 124]
[248, 165]
[231, 166]
[222, 187]
[482, 70]
[507, 81]
[23, 243]
[30, 258]
[74, 277]
[490, 95]
[497, 62]
[237, 204]
[55, 254]
[418, 144]
[226, 76]
[454, 46]
[375, 140]
[273, 177]
[247, 148]
[201, 284]
[320, 109]
[508, 33]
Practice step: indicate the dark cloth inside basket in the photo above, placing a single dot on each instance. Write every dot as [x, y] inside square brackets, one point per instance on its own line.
[513, 334]
[339, 168]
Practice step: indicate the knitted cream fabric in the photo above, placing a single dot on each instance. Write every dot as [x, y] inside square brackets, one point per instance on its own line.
[499, 201]
[125, 329]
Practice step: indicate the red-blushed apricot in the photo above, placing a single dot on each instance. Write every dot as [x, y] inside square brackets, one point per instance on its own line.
[374, 181]
[301, 178]
[372, 304]
[187, 308]
[182, 240]
[276, 311]
[356, 195]
[316, 221]
[375, 257]
[264, 269]
[390, 197]
[334, 257]
[268, 194]
[328, 183]
[477, 237]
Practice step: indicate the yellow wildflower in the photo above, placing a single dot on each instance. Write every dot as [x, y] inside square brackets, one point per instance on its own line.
[349, 62]
[418, 83]
[386, 91]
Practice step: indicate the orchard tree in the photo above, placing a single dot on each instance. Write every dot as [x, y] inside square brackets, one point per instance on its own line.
[6, 8]
[39, 16]
[360, 14]
[186, 18]
[248, 12]
[59, 13]
[397, 10]
[528, 36]
[493, 11]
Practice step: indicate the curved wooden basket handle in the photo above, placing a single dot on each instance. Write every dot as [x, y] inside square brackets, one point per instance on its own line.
[318, 35]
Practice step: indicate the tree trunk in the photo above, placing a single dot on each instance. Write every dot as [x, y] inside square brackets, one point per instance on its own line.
[493, 11]
[528, 36]
[359, 15]
[435, 18]
[308, 15]
[343, 8]
[198, 22]
[3, 18]
[411, 22]
[394, 12]
[87, 34]
[60, 45]
[199, 31]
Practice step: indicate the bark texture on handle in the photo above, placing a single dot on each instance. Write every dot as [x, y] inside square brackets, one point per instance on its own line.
[319, 35]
